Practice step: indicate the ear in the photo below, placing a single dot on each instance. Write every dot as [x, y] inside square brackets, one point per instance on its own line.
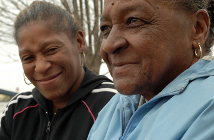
[201, 26]
[80, 41]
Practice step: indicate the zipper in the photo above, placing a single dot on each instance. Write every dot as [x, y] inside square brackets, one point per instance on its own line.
[48, 129]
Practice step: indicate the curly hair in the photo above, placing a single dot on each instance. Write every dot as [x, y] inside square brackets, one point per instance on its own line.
[53, 16]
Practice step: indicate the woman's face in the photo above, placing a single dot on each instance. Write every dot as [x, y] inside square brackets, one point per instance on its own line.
[146, 44]
[51, 61]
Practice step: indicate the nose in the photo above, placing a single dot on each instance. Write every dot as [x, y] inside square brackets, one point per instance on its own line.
[42, 65]
[115, 42]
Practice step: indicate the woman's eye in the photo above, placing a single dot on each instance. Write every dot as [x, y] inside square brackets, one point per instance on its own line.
[105, 29]
[27, 58]
[51, 50]
[132, 20]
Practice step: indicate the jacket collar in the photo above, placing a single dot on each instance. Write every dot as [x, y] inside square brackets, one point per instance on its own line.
[202, 68]
[90, 81]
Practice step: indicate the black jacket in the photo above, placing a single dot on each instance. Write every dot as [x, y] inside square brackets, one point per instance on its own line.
[28, 115]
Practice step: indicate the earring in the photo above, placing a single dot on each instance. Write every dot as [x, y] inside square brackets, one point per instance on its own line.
[196, 55]
[83, 59]
[25, 78]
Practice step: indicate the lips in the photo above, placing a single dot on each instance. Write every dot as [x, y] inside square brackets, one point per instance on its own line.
[121, 67]
[48, 78]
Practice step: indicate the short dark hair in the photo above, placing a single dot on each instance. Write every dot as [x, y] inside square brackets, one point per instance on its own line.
[52, 15]
[194, 6]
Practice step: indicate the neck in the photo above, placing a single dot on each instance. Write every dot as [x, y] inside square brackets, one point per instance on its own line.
[57, 105]
[61, 102]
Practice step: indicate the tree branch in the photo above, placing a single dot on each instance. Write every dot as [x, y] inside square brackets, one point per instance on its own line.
[65, 4]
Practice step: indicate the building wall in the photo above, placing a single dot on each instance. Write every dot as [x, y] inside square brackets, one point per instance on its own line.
[4, 98]
[2, 108]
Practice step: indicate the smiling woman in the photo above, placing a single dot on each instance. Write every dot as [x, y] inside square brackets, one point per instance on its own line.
[49, 61]
[157, 54]
[67, 95]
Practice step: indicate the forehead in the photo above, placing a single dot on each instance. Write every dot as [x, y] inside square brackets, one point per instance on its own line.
[112, 2]
[128, 3]
[126, 6]
[123, 7]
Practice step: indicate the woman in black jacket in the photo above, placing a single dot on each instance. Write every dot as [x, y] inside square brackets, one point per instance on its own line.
[67, 96]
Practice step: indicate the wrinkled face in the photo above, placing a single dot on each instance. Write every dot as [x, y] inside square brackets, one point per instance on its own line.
[146, 44]
[51, 61]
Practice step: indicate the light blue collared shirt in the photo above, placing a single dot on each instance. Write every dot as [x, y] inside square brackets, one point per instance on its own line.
[184, 109]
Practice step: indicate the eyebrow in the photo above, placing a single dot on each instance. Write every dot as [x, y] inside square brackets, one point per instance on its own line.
[127, 9]
[53, 41]
[42, 46]
[102, 18]
[24, 51]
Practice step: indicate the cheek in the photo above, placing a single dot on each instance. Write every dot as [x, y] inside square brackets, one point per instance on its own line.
[104, 54]
[72, 65]
[28, 70]
[68, 58]
[152, 62]
[160, 68]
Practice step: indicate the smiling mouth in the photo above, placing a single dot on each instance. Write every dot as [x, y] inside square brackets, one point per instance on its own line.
[49, 78]
[122, 67]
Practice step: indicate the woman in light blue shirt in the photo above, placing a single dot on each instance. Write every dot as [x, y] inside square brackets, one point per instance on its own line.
[153, 49]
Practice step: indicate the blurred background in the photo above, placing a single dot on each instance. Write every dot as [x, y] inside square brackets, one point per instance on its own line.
[86, 12]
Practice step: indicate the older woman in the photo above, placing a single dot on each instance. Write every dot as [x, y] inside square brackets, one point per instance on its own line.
[68, 96]
[153, 50]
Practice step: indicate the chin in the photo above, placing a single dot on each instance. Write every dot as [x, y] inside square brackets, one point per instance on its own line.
[125, 89]
[50, 94]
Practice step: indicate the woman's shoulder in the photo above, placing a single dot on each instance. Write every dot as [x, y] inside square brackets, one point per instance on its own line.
[19, 102]
[105, 87]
